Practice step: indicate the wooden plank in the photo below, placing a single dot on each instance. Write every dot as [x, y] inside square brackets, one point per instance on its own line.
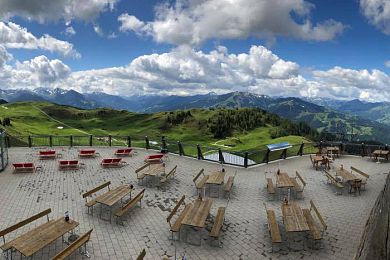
[229, 184]
[38, 238]
[347, 176]
[177, 206]
[179, 221]
[313, 206]
[142, 167]
[113, 196]
[88, 193]
[122, 210]
[141, 255]
[216, 178]
[197, 176]
[270, 186]
[293, 218]
[315, 232]
[202, 182]
[197, 216]
[74, 246]
[218, 223]
[360, 172]
[273, 227]
[24, 222]
[155, 170]
[300, 178]
[283, 180]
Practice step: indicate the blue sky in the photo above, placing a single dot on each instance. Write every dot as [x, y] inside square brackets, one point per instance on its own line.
[303, 48]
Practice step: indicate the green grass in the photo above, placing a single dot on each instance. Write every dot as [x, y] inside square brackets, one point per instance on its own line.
[28, 119]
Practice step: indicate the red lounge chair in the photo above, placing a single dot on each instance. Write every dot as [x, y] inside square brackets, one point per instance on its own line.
[69, 165]
[124, 152]
[154, 158]
[112, 162]
[50, 154]
[24, 167]
[87, 153]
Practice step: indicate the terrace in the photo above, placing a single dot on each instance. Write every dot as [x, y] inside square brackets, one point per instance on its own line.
[244, 232]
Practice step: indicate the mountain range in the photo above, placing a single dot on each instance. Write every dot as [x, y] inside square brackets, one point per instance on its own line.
[346, 118]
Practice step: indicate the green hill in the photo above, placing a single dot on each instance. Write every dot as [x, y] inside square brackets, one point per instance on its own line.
[244, 129]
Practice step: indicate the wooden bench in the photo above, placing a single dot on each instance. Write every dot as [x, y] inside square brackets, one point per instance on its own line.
[363, 174]
[333, 181]
[315, 231]
[89, 204]
[165, 178]
[112, 162]
[124, 152]
[273, 227]
[270, 186]
[218, 223]
[25, 167]
[140, 175]
[69, 165]
[87, 153]
[77, 244]
[127, 206]
[298, 189]
[50, 154]
[8, 245]
[200, 184]
[141, 255]
[175, 227]
[229, 185]
[154, 158]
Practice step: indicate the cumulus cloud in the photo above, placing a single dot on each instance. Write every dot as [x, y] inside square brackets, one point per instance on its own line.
[49, 10]
[13, 36]
[4, 56]
[378, 13]
[193, 22]
[37, 72]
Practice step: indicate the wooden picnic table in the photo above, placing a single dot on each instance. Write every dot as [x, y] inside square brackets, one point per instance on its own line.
[216, 178]
[154, 169]
[381, 153]
[283, 180]
[198, 214]
[111, 197]
[43, 235]
[293, 218]
[318, 159]
[346, 175]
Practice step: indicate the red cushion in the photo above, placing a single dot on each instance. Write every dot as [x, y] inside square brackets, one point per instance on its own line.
[116, 160]
[120, 151]
[64, 162]
[73, 162]
[155, 156]
[28, 165]
[18, 165]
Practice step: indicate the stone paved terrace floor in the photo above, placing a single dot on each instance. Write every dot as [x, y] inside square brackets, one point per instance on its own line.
[244, 234]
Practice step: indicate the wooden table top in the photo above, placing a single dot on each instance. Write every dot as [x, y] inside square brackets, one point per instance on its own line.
[318, 158]
[216, 178]
[43, 235]
[347, 176]
[198, 214]
[283, 180]
[381, 152]
[154, 169]
[111, 197]
[293, 218]
[332, 148]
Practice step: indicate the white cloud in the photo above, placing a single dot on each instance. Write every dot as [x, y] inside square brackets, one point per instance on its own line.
[53, 10]
[13, 36]
[37, 72]
[193, 22]
[4, 56]
[378, 13]
[98, 30]
[70, 31]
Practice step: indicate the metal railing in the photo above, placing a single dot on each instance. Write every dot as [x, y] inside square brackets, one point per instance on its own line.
[201, 152]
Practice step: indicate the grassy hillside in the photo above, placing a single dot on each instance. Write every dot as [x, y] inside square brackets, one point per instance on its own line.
[41, 118]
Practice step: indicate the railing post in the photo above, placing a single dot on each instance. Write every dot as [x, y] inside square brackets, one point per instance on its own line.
[163, 144]
[283, 154]
[128, 141]
[266, 157]
[181, 151]
[363, 150]
[90, 140]
[29, 141]
[147, 145]
[51, 141]
[386, 147]
[300, 152]
[7, 141]
[220, 156]
[246, 160]
[71, 141]
[109, 140]
[200, 155]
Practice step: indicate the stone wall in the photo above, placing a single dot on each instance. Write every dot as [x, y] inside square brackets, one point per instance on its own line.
[375, 242]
